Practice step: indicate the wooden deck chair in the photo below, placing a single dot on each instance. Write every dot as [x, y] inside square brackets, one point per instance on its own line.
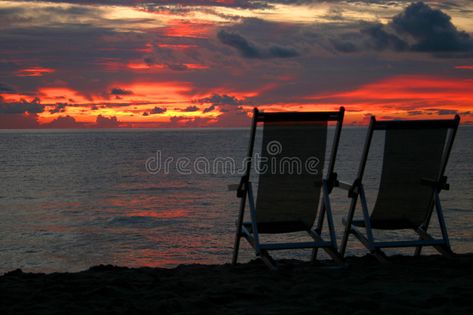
[288, 199]
[415, 157]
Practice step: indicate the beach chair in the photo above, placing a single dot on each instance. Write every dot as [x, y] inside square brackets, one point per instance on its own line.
[412, 176]
[290, 182]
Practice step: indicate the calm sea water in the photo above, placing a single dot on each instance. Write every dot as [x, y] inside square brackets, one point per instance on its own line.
[72, 199]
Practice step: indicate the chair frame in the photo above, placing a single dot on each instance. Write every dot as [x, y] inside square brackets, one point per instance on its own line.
[356, 190]
[249, 230]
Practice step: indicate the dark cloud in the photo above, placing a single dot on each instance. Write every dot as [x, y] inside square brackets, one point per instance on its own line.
[224, 99]
[157, 110]
[344, 46]
[63, 122]
[18, 121]
[418, 28]
[183, 121]
[179, 4]
[59, 108]
[87, 56]
[106, 122]
[178, 67]
[381, 39]
[443, 112]
[33, 107]
[455, 4]
[4, 88]
[219, 100]
[232, 117]
[282, 52]
[209, 109]
[432, 30]
[248, 49]
[53, 14]
[119, 91]
[190, 109]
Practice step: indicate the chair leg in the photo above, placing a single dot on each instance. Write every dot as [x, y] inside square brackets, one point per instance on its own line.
[366, 216]
[268, 260]
[377, 252]
[236, 245]
[422, 231]
[380, 255]
[418, 250]
[442, 249]
[347, 232]
[334, 255]
[333, 251]
[318, 229]
[315, 251]
[326, 211]
[443, 226]
[424, 227]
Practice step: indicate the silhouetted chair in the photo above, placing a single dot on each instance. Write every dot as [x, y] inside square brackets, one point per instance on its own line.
[290, 183]
[414, 162]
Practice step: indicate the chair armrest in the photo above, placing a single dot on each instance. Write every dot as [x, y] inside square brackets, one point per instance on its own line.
[441, 184]
[343, 185]
[351, 188]
[242, 187]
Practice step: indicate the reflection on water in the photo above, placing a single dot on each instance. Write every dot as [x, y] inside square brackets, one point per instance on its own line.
[72, 199]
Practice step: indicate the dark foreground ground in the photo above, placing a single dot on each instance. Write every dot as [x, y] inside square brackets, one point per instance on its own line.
[426, 285]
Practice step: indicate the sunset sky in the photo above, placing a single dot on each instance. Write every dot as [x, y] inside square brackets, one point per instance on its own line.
[207, 63]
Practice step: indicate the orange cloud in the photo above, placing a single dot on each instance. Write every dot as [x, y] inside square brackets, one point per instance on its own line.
[16, 97]
[464, 67]
[182, 28]
[144, 66]
[34, 72]
[195, 66]
[147, 49]
[141, 66]
[177, 46]
[403, 96]
[60, 94]
[403, 90]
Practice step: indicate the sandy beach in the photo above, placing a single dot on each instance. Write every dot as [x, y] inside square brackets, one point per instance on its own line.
[408, 285]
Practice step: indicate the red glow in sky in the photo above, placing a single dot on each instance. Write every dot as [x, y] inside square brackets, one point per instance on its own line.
[208, 63]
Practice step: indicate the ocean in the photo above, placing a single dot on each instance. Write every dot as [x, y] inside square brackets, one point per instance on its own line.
[71, 199]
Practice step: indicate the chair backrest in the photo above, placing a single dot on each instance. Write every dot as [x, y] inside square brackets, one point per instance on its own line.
[414, 151]
[291, 168]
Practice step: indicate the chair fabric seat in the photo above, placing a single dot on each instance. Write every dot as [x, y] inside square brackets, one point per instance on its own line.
[289, 186]
[410, 155]
[387, 225]
[278, 227]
